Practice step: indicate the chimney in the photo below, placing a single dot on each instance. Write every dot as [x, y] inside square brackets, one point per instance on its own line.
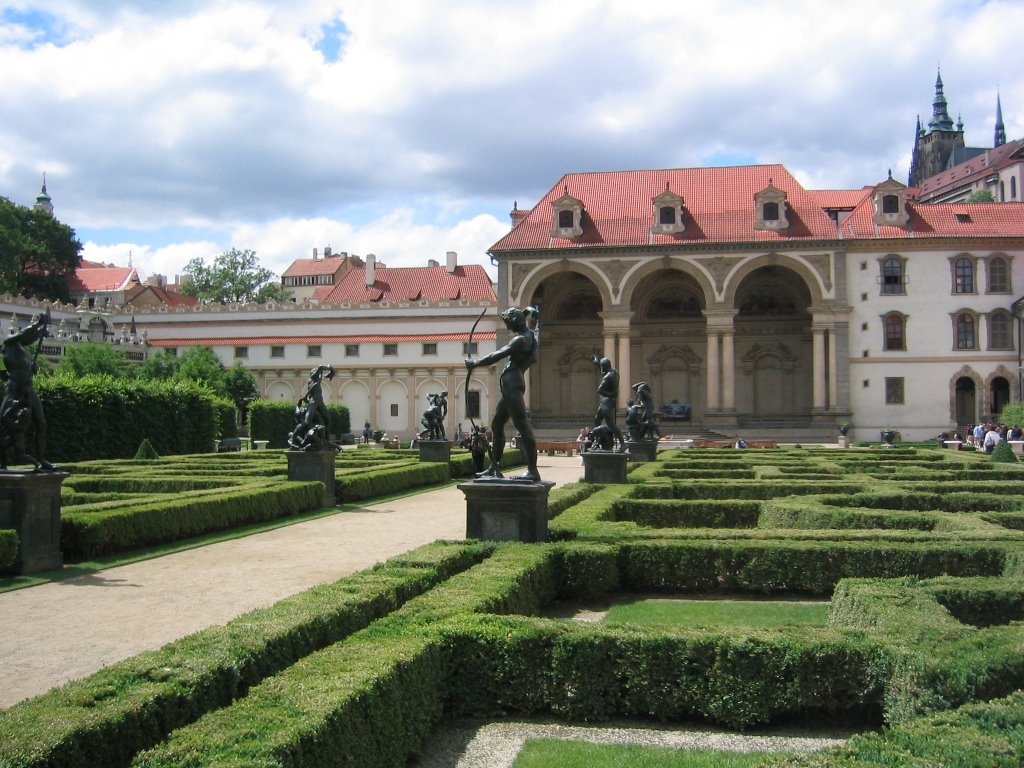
[452, 263]
[314, 254]
[517, 215]
[371, 269]
[327, 251]
[433, 263]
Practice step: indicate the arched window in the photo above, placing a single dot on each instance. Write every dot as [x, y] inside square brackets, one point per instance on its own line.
[892, 275]
[890, 204]
[894, 332]
[999, 334]
[963, 271]
[998, 275]
[1013, 187]
[965, 338]
[771, 211]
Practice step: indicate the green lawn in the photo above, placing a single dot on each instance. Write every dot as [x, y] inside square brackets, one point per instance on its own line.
[719, 613]
[547, 753]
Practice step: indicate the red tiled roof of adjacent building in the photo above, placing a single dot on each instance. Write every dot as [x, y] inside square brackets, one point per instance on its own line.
[239, 341]
[395, 284]
[971, 170]
[940, 220]
[720, 208]
[170, 298]
[101, 278]
[325, 266]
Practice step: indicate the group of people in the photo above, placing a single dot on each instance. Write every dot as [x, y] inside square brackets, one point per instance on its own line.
[987, 436]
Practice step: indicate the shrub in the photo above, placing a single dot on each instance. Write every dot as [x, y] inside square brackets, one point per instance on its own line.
[1003, 454]
[8, 548]
[146, 451]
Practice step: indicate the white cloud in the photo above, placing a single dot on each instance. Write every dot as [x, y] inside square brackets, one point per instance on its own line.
[222, 116]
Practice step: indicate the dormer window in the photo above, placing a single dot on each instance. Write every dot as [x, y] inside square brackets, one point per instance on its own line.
[567, 216]
[771, 208]
[669, 213]
[890, 204]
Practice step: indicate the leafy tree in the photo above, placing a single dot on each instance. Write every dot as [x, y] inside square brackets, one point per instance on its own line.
[240, 387]
[201, 364]
[162, 366]
[83, 359]
[981, 196]
[234, 277]
[38, 254]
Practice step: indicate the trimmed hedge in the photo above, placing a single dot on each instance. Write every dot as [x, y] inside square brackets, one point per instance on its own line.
[8, 548]
[108, 717]
[85, 535]
[101, 417]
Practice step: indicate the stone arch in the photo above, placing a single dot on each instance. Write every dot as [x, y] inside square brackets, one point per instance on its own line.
[965, 388]
[636, 278]
[578, 380]
[393, 392]
[809, 277]
[280, 390]
[536, 279]
[770, 372]
[355, 394]
[998, 390]
[675, 373]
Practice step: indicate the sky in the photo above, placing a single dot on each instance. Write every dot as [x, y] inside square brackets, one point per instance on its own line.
[170, 131]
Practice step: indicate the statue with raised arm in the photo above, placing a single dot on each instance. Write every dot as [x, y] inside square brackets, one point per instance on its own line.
[520, 353]
[608, 394]
[312, 419]
[21, 407]
[434, 416]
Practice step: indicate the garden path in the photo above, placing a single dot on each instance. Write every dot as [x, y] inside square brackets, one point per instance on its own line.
[54, 633]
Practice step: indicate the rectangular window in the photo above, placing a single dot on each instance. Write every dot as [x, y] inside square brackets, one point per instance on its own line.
[390, 350]
[277, 351]
[394, 409]
[894, 390]
[241, 352]
[351, 350]
[473, 403]
[429, 348]
[963, 276]
[312, 350]
[469, 350]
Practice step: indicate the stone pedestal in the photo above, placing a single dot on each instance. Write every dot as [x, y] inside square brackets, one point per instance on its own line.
[314, 465]
[435, 450]
[604, 467]
[844, 441]
[30, 504]
[642, 451]
[507, 510]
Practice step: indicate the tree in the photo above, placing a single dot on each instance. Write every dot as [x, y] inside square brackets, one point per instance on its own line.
[38, 254]
[234, 277]
[83, 359]
[981, 196]
[163, 365]
[240, 387]
[201, 364]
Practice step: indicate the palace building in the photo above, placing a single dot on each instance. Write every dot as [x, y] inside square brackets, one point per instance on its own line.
[766, 307]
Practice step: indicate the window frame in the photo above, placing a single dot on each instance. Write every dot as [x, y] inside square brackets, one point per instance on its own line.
[351, 350]
[962, 321]
[895, 390]
[390, 349]
[892, 282]
[889, 321]
[277, 351]
[998, 283]
[241, 353]
[1001, 340]
[965, 275]
[429, 349]
[314, 350]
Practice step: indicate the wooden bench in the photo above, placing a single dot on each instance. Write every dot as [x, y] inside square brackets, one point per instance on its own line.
[551, 447]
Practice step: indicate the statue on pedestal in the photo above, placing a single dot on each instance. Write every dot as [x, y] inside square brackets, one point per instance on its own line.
[21, 407]
[645, 402]
[521, 352]
[608, 392]
[312, 420]
[434, 416]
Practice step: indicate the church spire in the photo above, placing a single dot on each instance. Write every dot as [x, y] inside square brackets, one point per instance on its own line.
[941, 121]
[1000, 137]
[43, 201]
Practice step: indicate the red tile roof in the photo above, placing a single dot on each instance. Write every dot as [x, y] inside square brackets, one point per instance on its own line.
[970, 170]
[325, 266]
[170, 298]
[394, 284]
[720, 208]
[941, 220]
[238, 341]
[101, 278]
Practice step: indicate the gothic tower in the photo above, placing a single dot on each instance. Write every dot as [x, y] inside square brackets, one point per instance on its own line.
[934, 146]
[1000, 136]
[43, 201]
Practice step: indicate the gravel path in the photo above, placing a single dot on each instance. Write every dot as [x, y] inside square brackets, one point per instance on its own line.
[54, 633]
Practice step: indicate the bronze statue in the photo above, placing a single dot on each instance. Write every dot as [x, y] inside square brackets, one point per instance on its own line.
[312, 420]
[522, 352]
[21, 407]
[608, 392]
[645, 400]
[434, 416]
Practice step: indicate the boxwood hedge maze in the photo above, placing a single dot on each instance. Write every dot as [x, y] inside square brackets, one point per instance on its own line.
[919, 553]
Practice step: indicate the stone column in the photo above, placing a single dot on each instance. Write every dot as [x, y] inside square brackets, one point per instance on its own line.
[728, 372]
[616, 326]
[819, 368]
[833, 368]
[713, 369]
